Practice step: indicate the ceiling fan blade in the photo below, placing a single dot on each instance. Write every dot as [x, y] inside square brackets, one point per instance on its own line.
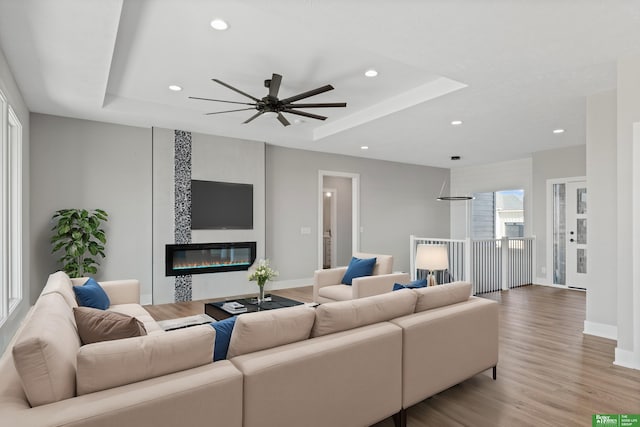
[283, 120]
[235, 90]
[220, 100]
[229, 111]
[274, 86]
[307, 94]
[305, 114]
[321, 105]
[255, 116]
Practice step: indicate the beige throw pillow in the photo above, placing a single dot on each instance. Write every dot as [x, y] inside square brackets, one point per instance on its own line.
[98, 325]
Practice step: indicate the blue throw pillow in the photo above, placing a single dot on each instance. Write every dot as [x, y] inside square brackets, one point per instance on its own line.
[223, 328]
[358, 268]
[92, 295]
[422, 283]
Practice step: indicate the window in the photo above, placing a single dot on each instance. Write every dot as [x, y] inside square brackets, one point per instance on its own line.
[10, 210]
[497, 214]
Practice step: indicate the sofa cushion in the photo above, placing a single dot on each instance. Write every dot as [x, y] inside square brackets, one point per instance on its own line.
[267, 329]
[421, 283]
[224, 329]
[441, 295]
[137, 311]
[59, 282]
[343, 315]
[336, 292]
[98, 325]
[45, 352]
[92, 295]
[109, 364]
[358, 268]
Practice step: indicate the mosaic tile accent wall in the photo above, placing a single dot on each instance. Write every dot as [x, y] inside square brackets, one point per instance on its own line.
[182, 184]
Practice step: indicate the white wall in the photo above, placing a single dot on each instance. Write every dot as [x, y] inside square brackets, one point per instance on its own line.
[510, 175]
[628, 113]
[396, 200]
[551, 164]
[11, 91]
[214, 158]
[85, 164]
[601, 318]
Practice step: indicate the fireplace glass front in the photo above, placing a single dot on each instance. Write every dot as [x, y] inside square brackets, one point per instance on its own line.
[199, 258]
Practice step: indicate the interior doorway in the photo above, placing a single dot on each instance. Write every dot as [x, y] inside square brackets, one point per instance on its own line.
[338, 217]
[329, 226]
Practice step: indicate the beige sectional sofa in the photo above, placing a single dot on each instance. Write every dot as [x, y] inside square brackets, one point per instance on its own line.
[348, 363]
[161, 379]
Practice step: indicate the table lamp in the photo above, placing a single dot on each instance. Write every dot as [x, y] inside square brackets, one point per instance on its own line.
[432, 258]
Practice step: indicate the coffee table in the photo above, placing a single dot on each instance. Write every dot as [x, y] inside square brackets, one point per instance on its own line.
[214, 309]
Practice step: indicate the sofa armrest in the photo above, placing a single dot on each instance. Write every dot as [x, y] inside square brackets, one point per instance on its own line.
[122, 291]
[444, 346]
[172, 400]
[119, 291]
[327, 277]
[376, 285]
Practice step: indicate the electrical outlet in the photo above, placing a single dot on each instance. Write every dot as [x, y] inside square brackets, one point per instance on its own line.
[543, 270]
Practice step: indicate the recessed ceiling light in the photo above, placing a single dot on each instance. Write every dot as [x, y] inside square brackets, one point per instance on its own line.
[558, 131]
[219, 24]
[456, 122]
[175, 88]
[371, 73]
[364, 147]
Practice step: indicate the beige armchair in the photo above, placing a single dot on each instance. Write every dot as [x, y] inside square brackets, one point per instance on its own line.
[327, 286]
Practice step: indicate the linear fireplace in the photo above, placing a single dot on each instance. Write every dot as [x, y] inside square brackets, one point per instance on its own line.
[200, 258]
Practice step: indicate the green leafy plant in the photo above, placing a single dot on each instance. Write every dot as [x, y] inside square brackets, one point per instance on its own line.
[78, 235]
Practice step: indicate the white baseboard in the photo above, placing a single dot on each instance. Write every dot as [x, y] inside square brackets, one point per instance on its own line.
[627, 359]
[146, 299]
[600, 330]
[288, 284]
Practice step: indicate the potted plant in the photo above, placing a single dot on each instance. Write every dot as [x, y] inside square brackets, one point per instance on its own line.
[262, 274]
[78, 234]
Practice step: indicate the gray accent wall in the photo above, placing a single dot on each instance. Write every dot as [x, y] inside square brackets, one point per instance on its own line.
[11, 91]
[85, 164]
[396, 200]
[213, 158]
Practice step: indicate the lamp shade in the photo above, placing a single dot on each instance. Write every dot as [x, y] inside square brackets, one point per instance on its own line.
[432, 257]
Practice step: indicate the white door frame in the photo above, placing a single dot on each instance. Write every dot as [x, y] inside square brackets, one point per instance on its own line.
[549, 244]
[355, 209]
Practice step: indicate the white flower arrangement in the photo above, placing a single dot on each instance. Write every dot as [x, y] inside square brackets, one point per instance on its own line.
[262, 273]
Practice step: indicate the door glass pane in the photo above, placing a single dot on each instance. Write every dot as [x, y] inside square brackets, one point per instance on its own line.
[559, 234]
[581, 231]
[582, 261]
[582, 201]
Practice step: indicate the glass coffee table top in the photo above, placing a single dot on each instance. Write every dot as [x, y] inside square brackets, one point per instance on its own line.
[215, 310]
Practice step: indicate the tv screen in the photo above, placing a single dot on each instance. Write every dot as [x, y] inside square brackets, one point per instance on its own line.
[221, 206]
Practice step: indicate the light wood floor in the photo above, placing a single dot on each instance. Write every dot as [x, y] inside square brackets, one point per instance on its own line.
[549, 373]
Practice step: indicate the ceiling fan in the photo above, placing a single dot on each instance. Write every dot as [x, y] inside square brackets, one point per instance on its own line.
[271, 103]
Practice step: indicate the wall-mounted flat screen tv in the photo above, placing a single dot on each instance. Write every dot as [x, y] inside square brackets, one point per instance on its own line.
[221, 205]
